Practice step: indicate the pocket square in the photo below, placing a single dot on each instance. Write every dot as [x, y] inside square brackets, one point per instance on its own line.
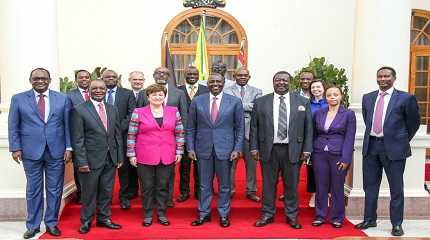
[301, 108]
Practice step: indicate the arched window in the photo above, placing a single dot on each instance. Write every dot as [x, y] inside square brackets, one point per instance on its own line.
[224, 36]
[419, 83]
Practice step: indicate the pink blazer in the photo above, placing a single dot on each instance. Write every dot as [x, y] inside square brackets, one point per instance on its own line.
[155, 143]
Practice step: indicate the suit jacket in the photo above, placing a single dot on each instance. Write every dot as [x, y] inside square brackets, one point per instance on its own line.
[340, 136]
[75, 97]
[251, 94]
[90, 140]
[29, 133]
[125, 102]
[175, 98]
[225, 135]
[402, 120]
[299, 127]
[201, 89]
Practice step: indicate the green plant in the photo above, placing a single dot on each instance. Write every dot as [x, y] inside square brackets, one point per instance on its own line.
[66, 85]
[327, 72]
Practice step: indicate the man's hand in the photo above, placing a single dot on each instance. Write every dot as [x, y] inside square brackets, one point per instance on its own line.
[178, 159]
[255, 155]
[17, 156]
[133, 161]
[342, 166]
[305, 156]
[119, 164]
[234, 155]
[84, 169]
[192, 155]
[67, 156]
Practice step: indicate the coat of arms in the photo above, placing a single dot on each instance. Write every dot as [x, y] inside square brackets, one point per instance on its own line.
[204, 3]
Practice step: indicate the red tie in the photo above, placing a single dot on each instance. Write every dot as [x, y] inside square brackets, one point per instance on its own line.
[41, 105]
[102, 115]
[214, 110]
[86, 96]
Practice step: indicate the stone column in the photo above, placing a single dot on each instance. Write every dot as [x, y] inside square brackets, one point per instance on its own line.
[382, 39]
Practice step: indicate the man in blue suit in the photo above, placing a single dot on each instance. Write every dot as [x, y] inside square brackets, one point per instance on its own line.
[39, 137]
[215, 134]
[392, 118]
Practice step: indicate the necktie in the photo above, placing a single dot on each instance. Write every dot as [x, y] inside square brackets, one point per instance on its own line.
[110, 96]
[214, 110]
[379, 112]
[86, 96]
[282, 119]
[242, 92]
[41, 106]
[102, 115]
[192, 91]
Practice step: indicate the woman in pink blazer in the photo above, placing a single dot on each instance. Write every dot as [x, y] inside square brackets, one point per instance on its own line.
[155, 143]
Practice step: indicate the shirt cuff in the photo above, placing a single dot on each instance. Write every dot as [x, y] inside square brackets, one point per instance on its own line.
[69, 149]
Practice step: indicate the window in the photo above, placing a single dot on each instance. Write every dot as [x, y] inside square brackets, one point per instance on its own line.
[224, 36]
[419, 67]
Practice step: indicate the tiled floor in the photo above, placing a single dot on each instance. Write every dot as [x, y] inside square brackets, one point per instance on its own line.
[413, 228]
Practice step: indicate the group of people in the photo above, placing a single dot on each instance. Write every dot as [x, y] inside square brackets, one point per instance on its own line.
[208, 126]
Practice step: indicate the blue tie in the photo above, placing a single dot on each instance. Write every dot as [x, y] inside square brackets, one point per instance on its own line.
[110, 96]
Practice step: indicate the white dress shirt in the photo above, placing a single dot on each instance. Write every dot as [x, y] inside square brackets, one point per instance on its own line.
[188, 87]
[276, 101]
[96, 105]
[46, 94]
[115, 89]
[218, 101]
[386, 101]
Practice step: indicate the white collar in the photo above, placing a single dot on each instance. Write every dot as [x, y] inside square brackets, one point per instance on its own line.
[45, 93]
[219, 96]
[389, 91]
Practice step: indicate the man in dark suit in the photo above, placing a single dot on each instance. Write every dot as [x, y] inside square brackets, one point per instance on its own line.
[97, 142]
[392, 118]
[191, 89]
[281, 137]
[175, 98]
[38, 129]
[214, 136]
[125, 102]
[137, 81]
[78, 96]
[247, 94]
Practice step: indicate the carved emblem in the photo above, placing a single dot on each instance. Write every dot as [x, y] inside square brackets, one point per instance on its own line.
[204, 3]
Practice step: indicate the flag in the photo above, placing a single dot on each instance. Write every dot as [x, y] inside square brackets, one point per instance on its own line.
[169, 63]
[201, 61]
[241, 58]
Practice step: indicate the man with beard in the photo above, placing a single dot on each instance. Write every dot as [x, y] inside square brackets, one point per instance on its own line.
[247, 94]
[191, 89]
[97, 141]
[281, 137]
[174, 98]
[78, 96]
[214, 137]
[125, 102]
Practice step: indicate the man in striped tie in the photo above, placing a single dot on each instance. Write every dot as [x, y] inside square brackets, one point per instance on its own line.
[392, 118]
[98, 152]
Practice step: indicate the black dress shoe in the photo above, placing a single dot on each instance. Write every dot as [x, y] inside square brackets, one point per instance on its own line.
[294, 224]
[163, 221]
[30, 233]
[397, 231]
[85, 227]
[125, 204]
[182, 198]
[263, 221]
[336, 224]
[253, 197]
[147, 222]
[170, 203]
[281, 198]
[196, 196]
[224, 222]
[365, 225]
[54, 231]
[109, 224]
[317, 223]
[201, 221]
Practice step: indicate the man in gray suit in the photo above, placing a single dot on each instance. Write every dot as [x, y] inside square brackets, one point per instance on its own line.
[98, 149]
[175, 98]
[78, 96]
[281, 137]
[248, 94]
